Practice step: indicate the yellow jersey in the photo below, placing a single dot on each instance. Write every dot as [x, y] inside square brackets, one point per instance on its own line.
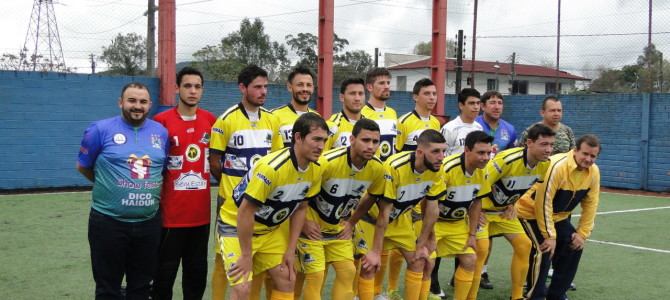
[342, 186]
[510, 177]
[563, 188]
[242, 141]
[387, 119]
[410, 126]
[462, 188]
[277, 186]
[340, 128]
[286, 116]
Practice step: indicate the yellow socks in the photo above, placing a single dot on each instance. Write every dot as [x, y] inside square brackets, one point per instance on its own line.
[366, 288]
[413, 282]
[482, 252]
[425, 289]
[312, 288]
[345, 271]
[462, 283]
[521, 244]
[379, 276]
[219, 279]
[278, 295]
[396, 261]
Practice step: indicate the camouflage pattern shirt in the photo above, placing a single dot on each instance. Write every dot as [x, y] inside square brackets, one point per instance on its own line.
[565, 138]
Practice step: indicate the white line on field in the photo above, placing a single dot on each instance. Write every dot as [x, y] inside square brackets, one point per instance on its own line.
[631, 246]
[627, 210]
[634, 195]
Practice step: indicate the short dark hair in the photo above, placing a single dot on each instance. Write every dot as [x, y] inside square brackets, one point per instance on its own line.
[467, 92]
[475, 137]
[189, 71]
[424, 82]
[249, 73]
[591, 140]
[300, 69]
[305, 123]
[538, 130]
[366, 124]
[348, 81]
[430, 136]
[133, 84]
[491, 94]
[547, 99]
[372, 75]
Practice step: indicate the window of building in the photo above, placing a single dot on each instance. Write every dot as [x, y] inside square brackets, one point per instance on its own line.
[401, 83]
[519, 87]
[491, 85]
[550, 88]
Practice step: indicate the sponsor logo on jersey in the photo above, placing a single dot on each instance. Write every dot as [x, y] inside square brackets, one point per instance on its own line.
[192, 153]
[205, 138]
[307, 258]
[175, 162]
[385, 148]
[190, 181]
[217, 130]
[119, 139]
[265, 179]
[139, 166]
[156, 141]
[234, 162]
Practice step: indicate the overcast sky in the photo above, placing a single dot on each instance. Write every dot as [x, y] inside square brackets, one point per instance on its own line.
[607, 27]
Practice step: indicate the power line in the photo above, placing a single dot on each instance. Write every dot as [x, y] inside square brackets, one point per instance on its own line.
[568, 35]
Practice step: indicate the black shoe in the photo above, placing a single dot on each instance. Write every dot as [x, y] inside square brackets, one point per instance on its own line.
[485, 283]
[573, 287]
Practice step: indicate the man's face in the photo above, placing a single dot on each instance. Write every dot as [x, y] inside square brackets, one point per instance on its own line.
[541, 149]
[479, 155]
[365, 144]
[493, 108]
[552, 112]
[427, 97]
[301, 88]
[471, 107]
[433, 154]
[135, 104]
[312, 144]
[256, 91]
[381, 88]
[585, 155]
[190, 90]
[353, 98]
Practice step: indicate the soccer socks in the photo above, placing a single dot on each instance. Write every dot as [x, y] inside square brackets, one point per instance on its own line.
[219, 279]
[366, 288]
[425, 289]
[462, 283]
[379, 276]
[299, 284]
[482, 253]
[279, 295]
[357, 276]
[345, 271]
[312, 288]
[413, 282]
[521, 244]
[396, 261]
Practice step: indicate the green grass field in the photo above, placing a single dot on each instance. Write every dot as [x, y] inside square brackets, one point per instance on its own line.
[44, 250]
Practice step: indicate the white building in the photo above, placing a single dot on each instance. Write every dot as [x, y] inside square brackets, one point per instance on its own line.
[527, 79]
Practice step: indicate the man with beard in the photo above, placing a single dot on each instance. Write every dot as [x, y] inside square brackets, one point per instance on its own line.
[240, 136]
[300, 85]
[386, 223]
[352, 96]
[124, 157]
[186, 192]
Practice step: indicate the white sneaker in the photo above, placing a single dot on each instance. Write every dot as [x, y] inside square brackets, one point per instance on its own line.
[381, 297]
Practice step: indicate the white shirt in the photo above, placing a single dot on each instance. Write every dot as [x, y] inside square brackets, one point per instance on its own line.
[455, 132]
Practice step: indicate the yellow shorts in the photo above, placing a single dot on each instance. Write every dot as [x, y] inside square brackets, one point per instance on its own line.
[399, 235]
[314, 255]
[496, 225]
[267, 252]
[451, 237]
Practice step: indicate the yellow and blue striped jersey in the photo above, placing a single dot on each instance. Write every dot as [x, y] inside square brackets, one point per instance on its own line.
[387, 119]
[340, 128]
[286, 116]
[410, 126]
[462, 188]
[242, 142]
[510, 177]
[342, 186]
[404, 187]
[277, 186]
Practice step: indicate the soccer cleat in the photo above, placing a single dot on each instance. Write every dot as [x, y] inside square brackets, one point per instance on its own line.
[436, 296]
[485, 283]
[395, 295]
[573, 287]
[381, 297]
[435, 288]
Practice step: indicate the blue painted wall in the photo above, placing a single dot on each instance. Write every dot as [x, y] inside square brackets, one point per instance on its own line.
[44, 115]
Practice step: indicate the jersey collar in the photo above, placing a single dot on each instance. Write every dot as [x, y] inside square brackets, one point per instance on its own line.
[462, 163]
[294, 160]
[351, 163]
[374, 108]
[244, 111]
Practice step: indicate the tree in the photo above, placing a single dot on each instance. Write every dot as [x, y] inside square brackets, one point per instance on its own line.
[351, 64]
[248, 45]
[125, 55]
[426, 48]
[648, 75]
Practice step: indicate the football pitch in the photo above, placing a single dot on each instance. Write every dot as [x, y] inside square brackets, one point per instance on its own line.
[44, 252]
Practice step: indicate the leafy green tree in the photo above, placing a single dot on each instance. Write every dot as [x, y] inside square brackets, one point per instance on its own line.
[649, 74]
[126, 55]
[426, 48]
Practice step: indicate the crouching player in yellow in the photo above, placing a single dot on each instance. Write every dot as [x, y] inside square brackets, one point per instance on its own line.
[272, 192]
[348, 172]
[465, 181]
[410, 177]
[510, 175]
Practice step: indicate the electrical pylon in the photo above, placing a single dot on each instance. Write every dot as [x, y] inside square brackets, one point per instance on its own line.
[42, 49]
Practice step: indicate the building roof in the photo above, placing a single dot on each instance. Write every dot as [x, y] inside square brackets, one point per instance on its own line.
[487, 67]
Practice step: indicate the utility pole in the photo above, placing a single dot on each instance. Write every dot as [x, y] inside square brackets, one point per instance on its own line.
[376, 57]
[151, 38]
[459, 61]
[92, 58]
[513, 72]
[558, 50]
[649, 82]
[660, 84]
[474, 44]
